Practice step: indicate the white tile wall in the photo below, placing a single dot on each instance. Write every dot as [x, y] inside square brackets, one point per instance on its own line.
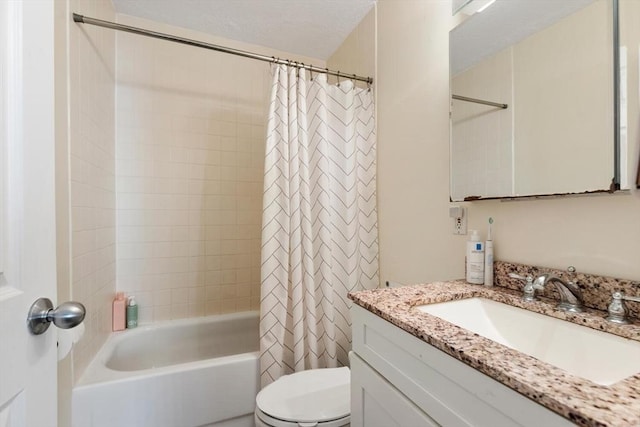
[92, 175]
[189, 166]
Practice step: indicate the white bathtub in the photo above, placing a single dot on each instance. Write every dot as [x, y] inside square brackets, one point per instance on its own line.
[184, 373]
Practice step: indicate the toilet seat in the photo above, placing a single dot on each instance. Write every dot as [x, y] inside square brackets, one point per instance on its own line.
[317, 397]
[263, 420]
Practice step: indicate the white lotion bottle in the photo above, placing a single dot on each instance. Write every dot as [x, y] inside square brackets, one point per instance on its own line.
[488, 258]
[475, 259]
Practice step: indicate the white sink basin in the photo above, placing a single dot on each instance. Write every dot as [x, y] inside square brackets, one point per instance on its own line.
[593, 355]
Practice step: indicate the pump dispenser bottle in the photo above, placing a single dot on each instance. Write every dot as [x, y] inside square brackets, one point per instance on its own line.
[475, 259]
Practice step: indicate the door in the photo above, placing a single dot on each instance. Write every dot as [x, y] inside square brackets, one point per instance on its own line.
[27, 211]
[375, 402]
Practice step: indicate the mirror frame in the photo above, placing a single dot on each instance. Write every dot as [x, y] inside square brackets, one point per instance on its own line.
[615, 184]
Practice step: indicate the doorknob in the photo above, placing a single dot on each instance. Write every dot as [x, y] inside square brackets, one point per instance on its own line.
[42, 313]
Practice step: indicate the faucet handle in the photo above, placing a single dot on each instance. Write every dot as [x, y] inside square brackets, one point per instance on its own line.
[529, 287]
[617, 309]
[572, 273]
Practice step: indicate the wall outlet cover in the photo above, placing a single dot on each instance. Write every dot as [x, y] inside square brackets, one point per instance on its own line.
[460, 223]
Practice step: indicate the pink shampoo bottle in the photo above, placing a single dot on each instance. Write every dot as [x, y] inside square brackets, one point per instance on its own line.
[119, 312]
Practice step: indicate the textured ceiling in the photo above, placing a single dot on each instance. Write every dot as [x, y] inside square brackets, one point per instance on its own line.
[313, 28]
[502, 24]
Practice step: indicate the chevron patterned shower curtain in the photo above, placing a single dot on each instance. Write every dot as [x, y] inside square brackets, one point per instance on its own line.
[319, 224]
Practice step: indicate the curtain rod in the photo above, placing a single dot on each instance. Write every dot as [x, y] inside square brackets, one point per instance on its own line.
[140, 31]
[479, 101]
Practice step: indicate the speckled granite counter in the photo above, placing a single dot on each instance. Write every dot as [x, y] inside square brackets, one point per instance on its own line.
[581, 401]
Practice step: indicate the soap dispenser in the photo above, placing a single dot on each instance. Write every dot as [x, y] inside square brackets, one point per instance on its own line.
[475, 259]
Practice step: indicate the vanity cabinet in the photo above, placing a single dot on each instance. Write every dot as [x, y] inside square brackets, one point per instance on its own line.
[377, 403]
[398, 379]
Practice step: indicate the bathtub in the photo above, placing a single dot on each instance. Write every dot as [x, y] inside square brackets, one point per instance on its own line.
[184, 373]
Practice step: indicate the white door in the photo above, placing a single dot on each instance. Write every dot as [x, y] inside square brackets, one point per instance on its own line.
[27, 214]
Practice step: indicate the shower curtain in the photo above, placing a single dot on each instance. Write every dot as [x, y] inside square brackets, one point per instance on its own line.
[319, 232]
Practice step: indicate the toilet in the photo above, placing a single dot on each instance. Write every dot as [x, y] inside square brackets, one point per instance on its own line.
[313, 398]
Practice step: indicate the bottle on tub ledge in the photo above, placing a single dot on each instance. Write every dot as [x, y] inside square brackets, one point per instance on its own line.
[132, 313]
[488, 257]
[119, 312]
[475, 259]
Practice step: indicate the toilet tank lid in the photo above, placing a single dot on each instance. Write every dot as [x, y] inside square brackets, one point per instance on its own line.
[315, 395]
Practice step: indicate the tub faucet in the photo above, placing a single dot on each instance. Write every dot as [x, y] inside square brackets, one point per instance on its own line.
[570, 293]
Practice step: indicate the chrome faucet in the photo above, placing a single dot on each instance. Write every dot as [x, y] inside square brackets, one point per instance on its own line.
[570, 293]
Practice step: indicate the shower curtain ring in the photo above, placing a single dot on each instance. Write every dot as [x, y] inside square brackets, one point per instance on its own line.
[338, 78]
[354, 82]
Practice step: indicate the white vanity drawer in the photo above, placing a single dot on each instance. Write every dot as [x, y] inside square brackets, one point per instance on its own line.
[449, 391]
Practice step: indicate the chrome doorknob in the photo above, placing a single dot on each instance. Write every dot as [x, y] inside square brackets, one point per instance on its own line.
[66, 316]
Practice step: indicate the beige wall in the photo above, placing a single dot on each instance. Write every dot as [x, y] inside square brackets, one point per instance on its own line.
[597, 234]
[357, 54]
[411, 84]
[190, 155]
[92, 175]
[85, 180]
[416, 244]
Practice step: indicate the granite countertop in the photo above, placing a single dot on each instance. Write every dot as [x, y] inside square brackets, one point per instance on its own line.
[581, 401]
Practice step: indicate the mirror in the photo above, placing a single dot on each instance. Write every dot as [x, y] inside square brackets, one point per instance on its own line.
[546, 68]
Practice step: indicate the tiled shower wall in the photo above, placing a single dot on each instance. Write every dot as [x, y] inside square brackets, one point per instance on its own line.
[91, 175]
[189, 161]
